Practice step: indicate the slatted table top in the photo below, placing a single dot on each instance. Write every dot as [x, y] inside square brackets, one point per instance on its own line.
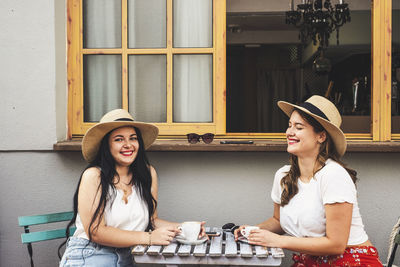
[221, 250]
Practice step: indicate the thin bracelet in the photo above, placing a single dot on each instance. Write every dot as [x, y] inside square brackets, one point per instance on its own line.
[150, 237]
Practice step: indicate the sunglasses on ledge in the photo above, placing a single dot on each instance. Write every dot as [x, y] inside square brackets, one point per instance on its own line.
[195, 138]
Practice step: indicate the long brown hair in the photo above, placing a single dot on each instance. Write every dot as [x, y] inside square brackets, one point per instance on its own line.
[327, 150]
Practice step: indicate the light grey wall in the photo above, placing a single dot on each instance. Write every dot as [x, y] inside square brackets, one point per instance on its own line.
[28, 74]
[216, 187]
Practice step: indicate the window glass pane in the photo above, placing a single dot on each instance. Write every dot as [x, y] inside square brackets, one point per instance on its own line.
[193, 88]
[351, 72]
[147, 23]
[101, 85]
[192, 23]
[147, 87]
[101, 24]
[266, 62]
[396, 66]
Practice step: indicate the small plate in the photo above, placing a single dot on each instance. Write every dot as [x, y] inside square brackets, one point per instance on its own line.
[197, 242]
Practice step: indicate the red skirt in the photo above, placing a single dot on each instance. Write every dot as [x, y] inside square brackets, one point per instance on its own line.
[365, 256]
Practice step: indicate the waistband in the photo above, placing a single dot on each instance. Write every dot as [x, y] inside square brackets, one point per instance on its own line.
[366, 250]
[79, 241]
[354, 251]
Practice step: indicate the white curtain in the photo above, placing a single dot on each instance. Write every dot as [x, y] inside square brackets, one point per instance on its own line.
[101, 24]
[147, 23]
[102, 85]
[193, 88]
[147, 87]
[102, 73]
[192, 23]
[193, 81]
[192, 73]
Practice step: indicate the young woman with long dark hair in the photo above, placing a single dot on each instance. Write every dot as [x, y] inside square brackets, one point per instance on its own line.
[115, 203]
[315, 198]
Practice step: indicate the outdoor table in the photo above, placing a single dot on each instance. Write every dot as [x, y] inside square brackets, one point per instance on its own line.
[220, 250]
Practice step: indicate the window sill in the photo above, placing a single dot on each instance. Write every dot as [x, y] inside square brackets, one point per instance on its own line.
[258, 146]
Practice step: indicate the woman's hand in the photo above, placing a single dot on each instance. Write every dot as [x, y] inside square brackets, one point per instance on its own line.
[163, 235]
[238, 231]
[264, 238]
[202, 230]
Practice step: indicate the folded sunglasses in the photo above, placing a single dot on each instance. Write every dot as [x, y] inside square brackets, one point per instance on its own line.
[194, 138]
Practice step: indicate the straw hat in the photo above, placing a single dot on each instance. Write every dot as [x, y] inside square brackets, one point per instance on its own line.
[325, 112]
[112, 120]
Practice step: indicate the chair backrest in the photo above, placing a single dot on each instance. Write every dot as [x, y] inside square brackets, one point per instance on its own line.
[32, 237]
[394, 242]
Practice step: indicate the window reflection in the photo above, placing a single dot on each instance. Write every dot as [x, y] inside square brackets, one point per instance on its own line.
[266, 62]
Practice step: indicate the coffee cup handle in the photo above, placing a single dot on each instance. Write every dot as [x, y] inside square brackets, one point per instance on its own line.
[181, 233]
[244, 233]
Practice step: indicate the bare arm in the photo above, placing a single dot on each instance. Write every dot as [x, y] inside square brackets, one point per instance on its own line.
[338, 220]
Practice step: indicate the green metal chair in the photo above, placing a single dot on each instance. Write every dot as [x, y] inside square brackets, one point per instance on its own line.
[31, 237]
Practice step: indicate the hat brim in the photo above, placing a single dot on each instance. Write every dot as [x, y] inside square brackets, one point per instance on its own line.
[92, 139]
[334, 132]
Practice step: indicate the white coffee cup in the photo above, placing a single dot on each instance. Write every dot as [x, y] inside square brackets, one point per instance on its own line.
[246, 231]
[190, 231]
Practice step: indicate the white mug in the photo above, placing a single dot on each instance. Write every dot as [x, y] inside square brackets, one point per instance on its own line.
[246, 231]
[190, 230]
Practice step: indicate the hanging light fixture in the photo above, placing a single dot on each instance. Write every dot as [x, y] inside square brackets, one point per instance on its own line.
[317, 19]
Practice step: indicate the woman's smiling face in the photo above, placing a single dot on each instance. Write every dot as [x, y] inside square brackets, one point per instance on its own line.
[124, 145]
[301, 138]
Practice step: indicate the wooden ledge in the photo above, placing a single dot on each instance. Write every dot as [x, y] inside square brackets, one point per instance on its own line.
[258, 146]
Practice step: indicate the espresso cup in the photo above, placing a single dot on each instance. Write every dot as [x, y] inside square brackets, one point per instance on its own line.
[246, 231]
[190, 230]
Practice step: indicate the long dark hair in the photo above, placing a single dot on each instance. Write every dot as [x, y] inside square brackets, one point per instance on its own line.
[327, 150]
[141, 178]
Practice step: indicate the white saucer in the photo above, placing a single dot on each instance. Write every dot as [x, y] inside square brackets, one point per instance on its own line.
[186, 242]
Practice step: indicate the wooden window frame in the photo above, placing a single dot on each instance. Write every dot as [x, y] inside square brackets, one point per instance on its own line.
[381, 50]
[76, 125]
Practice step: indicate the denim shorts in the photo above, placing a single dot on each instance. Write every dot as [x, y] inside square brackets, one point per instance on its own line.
[82, 252]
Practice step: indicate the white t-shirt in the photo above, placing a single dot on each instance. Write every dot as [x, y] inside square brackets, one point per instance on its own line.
[304, 215]
[131, 216]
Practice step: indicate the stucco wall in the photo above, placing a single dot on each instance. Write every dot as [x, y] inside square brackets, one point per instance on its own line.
[28, 72]
[215, 187]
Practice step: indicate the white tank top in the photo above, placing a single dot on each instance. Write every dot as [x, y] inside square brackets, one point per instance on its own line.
[131, 216]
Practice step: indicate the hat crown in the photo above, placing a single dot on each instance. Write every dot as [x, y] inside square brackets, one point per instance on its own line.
[115, 115]
[326, 107]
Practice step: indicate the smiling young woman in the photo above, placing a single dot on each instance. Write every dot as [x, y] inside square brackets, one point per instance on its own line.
[115, 203]
[315, 198]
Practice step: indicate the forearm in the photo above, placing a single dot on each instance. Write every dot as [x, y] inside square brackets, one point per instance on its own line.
[114, 237]
[311, 245]
[272, 224]
[162, 223]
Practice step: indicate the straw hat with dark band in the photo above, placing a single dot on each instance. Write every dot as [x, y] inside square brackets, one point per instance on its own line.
[325, 112]
[112, 120]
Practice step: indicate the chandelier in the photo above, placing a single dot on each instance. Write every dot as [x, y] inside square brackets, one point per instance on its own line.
[317, 19]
